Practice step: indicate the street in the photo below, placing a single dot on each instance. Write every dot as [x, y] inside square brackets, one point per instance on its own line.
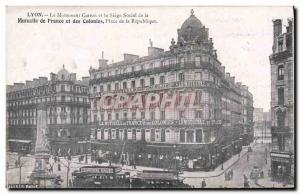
[214, 179]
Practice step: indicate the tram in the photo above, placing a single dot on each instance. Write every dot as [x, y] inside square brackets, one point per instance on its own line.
[157, 179]
[100, 177]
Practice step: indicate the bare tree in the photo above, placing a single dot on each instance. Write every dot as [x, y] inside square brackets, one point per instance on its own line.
[19, 163]
[67, 164]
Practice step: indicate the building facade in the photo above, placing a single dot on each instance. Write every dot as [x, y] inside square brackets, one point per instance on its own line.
[201, 136]
[282, 102]
[66, 101]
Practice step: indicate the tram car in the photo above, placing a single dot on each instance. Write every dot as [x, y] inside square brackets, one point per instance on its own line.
[157, 179]
[100, 177]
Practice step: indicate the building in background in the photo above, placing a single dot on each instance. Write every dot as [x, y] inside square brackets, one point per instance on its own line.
[282, 102]
[191, 138]
[262, 125]
[66, 101]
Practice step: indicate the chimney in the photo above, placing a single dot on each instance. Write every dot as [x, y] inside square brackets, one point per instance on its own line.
[154, 51]
[130, 57]
[43, 79]
[102, 61]
[232, 79]
[289, 27]
[227, 76]
[277, 30]
[223, 70]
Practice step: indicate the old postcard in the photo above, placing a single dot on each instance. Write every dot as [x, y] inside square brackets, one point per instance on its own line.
[150, 97]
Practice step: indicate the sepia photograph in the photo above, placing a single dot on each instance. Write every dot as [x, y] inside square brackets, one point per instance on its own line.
[144, 97]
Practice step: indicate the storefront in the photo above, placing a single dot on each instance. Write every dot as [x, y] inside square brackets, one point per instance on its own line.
[282, 166]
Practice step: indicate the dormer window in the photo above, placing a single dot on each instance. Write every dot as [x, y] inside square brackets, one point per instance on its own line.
[62, 77]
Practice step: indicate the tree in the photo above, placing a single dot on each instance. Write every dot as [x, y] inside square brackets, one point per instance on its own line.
[19, 163]
[67, 164]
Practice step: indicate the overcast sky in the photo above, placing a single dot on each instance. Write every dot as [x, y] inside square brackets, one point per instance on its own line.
[241, 35]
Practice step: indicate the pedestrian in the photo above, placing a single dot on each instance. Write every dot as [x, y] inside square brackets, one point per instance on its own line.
[248, 157]
[246, 182]
[58, 167]
[70, 183]
[262, 174]
[203, 184]
[231, 173]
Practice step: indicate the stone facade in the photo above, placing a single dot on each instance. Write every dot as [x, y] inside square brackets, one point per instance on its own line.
[202, 136]
[282, 102]
[66, 101]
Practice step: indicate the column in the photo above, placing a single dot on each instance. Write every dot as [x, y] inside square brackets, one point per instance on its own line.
[194, 136]
[185, 136]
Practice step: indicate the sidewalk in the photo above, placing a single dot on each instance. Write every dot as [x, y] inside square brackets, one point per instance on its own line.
[199, 174]
[268, 183]
[218, 171]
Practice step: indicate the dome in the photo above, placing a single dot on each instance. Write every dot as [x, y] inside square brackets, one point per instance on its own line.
[191, 28]
[63, 74]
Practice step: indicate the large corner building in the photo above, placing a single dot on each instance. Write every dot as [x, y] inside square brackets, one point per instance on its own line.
[191, 138]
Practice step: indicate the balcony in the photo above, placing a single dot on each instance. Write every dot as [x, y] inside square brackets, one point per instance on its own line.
[157, 70]
[172, 85]
[283, 129]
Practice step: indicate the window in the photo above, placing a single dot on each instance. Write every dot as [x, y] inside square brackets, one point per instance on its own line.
[62, 88]
[198, 114]
[198, 76]
[102, 117]
[124, 85]
[280, 119]
[133, 115]
[161, 63]
[133, 84]
[142, 83]
[95, 89]
[101, 88]
[117, 116]
[151, 81]
[280, 96]
[125, 116]
[197, 61]
[132, 68]
[182, 60]
[116, 86]
[280, 72]
[151, 65]
[152, 115]
[162, 79]
[108, 87]
[181, 115]
[142, 67]
[142, 115]
[63, 98]
[162, 115]
[109, 116]
[181, 77]
[116, 72]
[280, 45]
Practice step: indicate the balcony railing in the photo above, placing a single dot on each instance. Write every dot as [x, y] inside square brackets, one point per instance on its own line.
[157, 70]
[283, 129]
[172, 85]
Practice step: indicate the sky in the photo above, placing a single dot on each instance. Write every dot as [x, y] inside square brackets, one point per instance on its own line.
[242, 36]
